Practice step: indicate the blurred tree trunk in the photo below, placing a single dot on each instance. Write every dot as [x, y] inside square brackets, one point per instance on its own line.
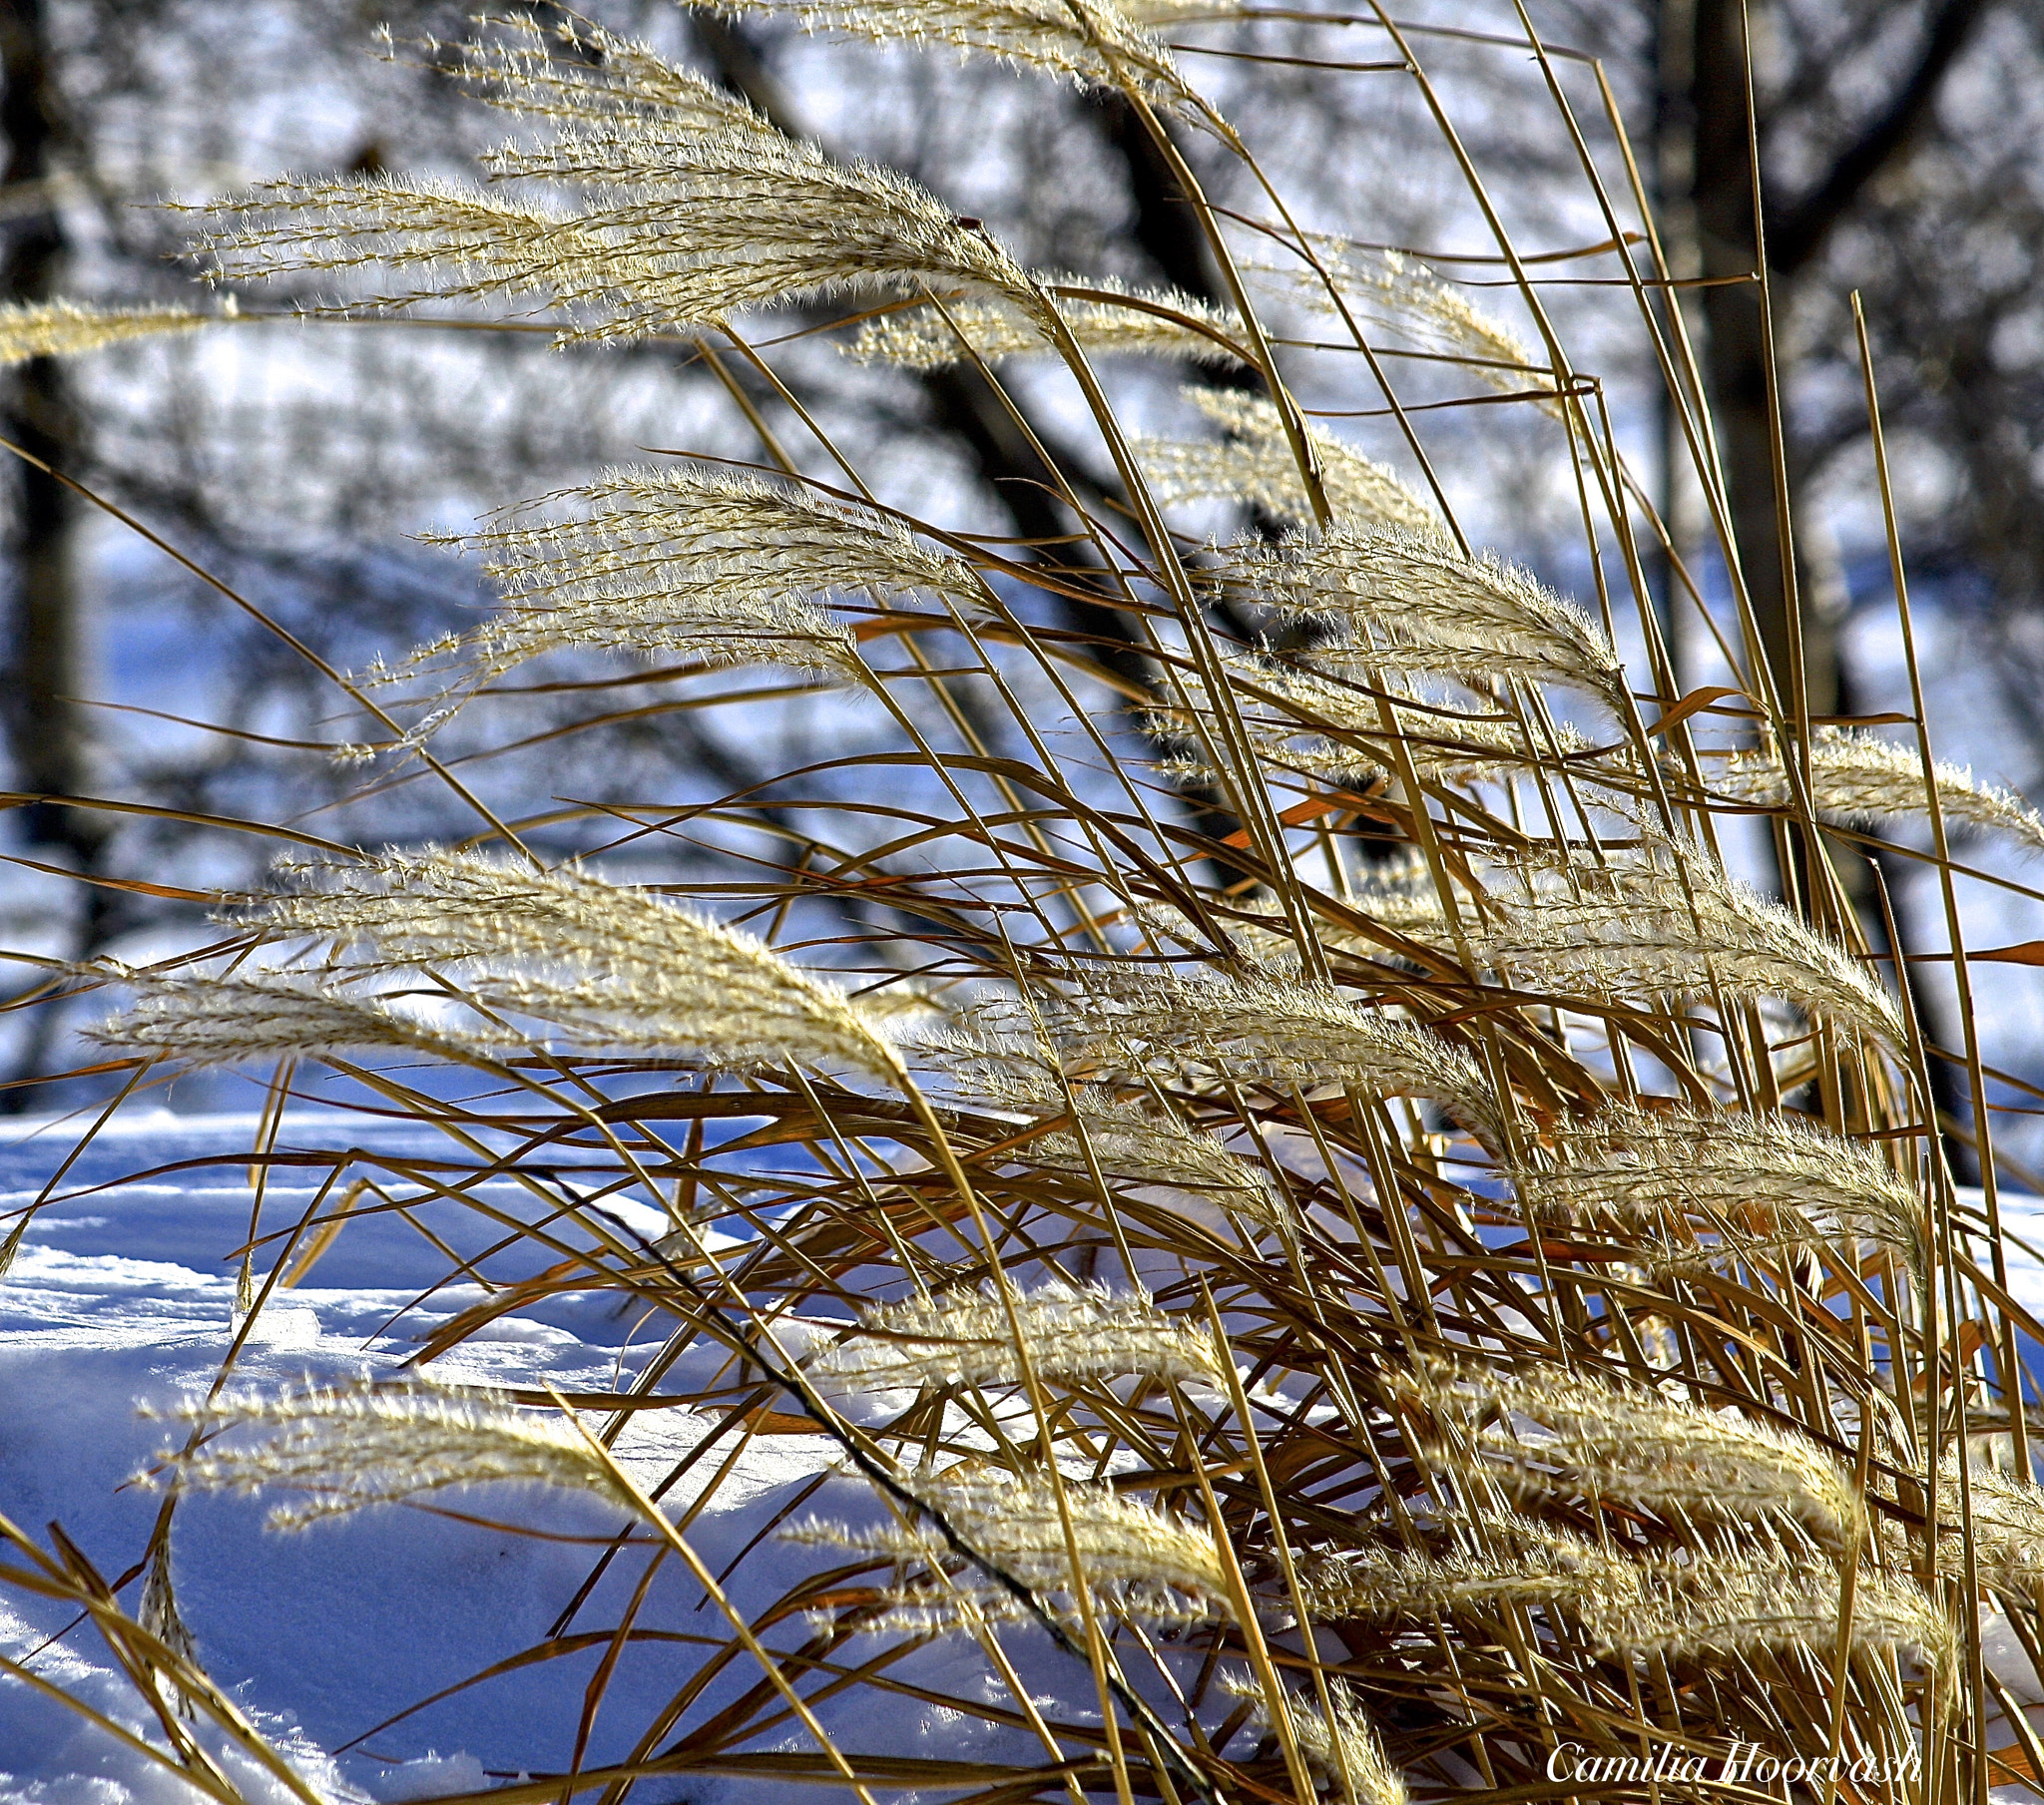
[46, 727]
[1706, 152]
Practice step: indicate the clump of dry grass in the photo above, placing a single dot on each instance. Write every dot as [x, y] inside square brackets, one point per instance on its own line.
[1263, 1268]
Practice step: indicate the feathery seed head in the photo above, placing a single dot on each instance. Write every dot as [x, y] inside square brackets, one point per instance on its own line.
[1669, 926]
[63, 328]
[683, 563]
[923, 338]
[1126, 1140]
[2007, 1518]
[1254, 465]
[1858, 781]
[1263, 1030]
[1333, 728]
[702, 224]
[205, 1020]
[1643, 1165]
[1076, 1334]
[348, 1447]
[1713, 1608]
[1095, 43]
[1135, 1560]
[1637, 1445]
[1411, 598]
[599, 78]
[611, 966]
[1343, 1752]
[1531, 1566]
[1389, 289]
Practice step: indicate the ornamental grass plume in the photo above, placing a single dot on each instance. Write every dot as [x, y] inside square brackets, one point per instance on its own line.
[1757, 1171]
[64, 328]
[1094, 42]
[1341, 1750]
[346, 1447]
[1390, 290]
[207, 1021]
[1411, 600]
[697, 207]
[1264, 1031]
[1605, 1441]
[572, 70]
[1529, 1565]
[1714, 1608]
[1342, 1746]
[610, 965]
[666, 564]
[1859, 781]
[1329, 726]
[2005, 1513]
[1135, 1142]
[1077, 1335]
[1677, 925]
[1253, 466]
[1215, 998]
[1114, 319]
[1137, 1560]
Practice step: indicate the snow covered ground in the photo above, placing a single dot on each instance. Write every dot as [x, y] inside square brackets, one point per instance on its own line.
[124, 1293]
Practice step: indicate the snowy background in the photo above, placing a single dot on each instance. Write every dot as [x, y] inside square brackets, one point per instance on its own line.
[124, 1293]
